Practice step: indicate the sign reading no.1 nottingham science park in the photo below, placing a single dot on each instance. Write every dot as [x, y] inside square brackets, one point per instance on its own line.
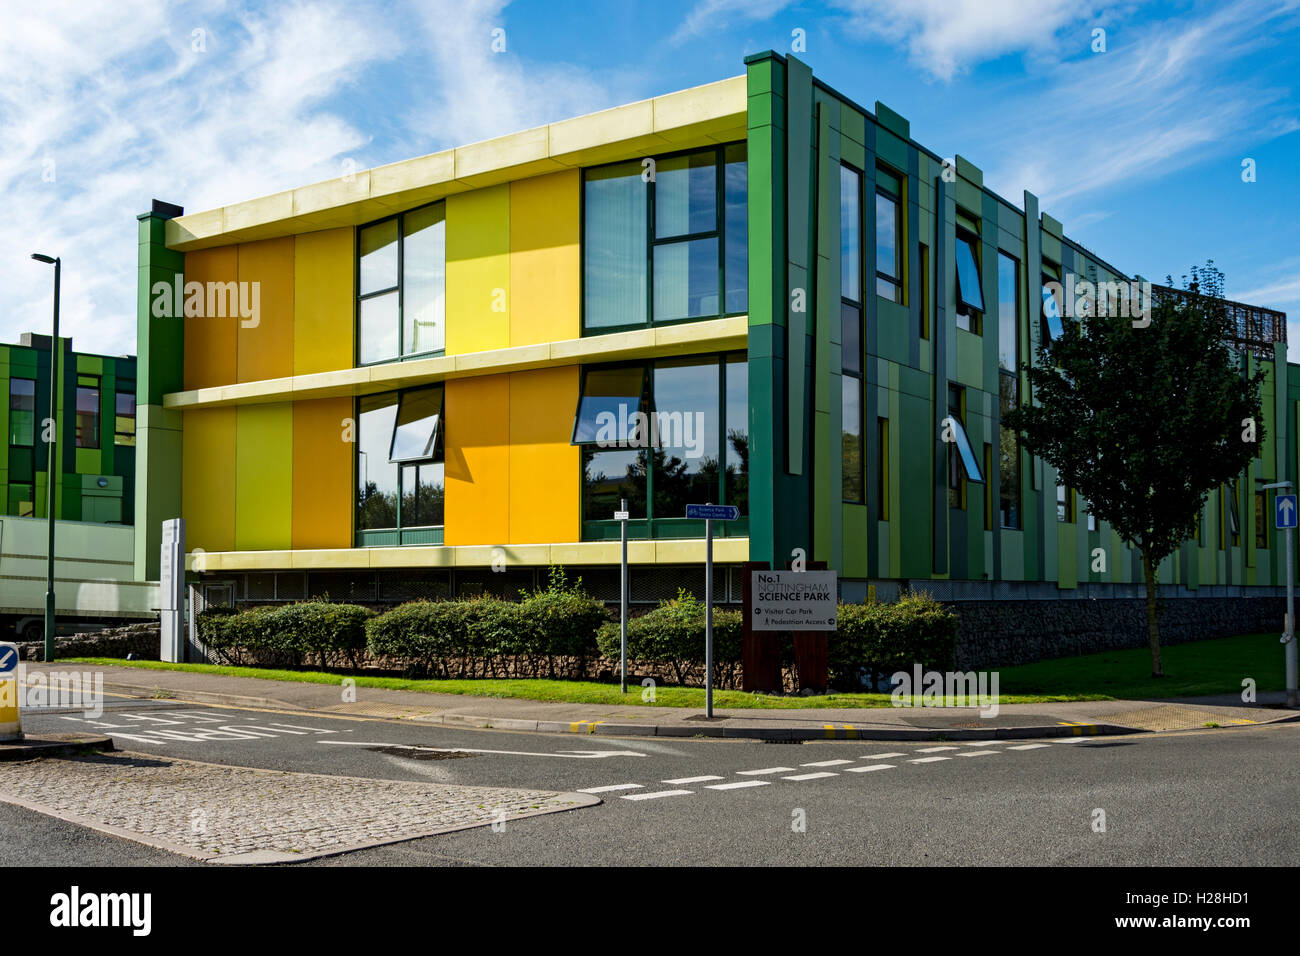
[793, 601]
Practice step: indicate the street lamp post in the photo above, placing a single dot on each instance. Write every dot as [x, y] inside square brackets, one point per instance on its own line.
[51, 471]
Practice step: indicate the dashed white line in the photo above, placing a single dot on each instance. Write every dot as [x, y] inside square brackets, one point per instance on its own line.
[755, 773]
[739, 785]
[612, 787]
[928, 759]
[880, 756]
[655, 794]
[1071, 740]
[934, 750]
[681, 780]
[826, 763]
[1028, 746]
[869, 767]
[811, 776]
[978, 753]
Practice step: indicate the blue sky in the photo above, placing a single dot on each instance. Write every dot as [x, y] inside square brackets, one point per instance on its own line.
[1137, 149]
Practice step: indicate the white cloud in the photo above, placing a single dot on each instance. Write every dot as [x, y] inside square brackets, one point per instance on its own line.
[715, 15]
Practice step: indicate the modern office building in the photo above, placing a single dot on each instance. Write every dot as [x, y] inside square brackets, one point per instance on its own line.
[96, 433]
[443, 375]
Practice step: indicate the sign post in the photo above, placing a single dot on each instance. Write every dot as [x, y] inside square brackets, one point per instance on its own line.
[1286, 516]
[621, 516]
[11, 723]
[172, 588]
[710, 513]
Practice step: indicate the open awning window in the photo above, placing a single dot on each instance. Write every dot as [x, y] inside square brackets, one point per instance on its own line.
[969, 292]
[419, 421]
[965, 454]
[1051, 315]
[610, 407]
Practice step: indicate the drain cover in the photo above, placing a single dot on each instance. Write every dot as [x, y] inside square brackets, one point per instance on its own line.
[413, 753]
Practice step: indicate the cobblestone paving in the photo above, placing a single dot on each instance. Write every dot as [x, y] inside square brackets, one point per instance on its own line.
[206, 810]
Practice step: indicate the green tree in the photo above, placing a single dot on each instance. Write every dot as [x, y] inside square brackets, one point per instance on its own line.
[1144, 422]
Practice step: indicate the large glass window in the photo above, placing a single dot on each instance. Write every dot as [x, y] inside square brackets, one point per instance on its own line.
[124, 415]
[667, 247]
[87, 411]
[850, 233]
[1008, 387]
[401, 285]
[22, 411]
[664, 435]
[399, 460]
[852, 463]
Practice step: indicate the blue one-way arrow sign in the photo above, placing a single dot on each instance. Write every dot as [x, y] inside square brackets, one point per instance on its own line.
[1285, 512]
[713, 512]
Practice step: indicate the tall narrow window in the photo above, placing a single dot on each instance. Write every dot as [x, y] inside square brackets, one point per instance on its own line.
[87, 411]
[1261, 521]
[400, 472]
[124, 415]
[1064, 503]
[970, 293]
[962, 465]
[22, 411]
[615, 213]
[1053, 326]
[889, 232]
[685, 259]
[882, 468]
[1008, 388]
[401, 285]
[736, 228]
[924, 258]
[852, 475]
[737, 434]
[1234, 525]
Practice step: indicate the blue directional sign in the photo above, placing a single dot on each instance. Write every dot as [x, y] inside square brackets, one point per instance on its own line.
[8, 660]
[1285, 513]
[713, 512]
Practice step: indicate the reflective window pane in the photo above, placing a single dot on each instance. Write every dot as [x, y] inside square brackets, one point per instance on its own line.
[737, 230]
[966, 454]
[969, 292]
[614, 246]
[850, 338]
[1052, 327]
[1008, 315]
[610, 476]
[422, 495]
[87, 416]
[609, 405]
[378, 252]
[686, 419]
[850, 234]
[686, 195]
[415, 434]
[686, 280]
[737, 451]
[22, 411]
[887, 237]
[376, 475]
[424, 279]
[852, 481]
[378, 329]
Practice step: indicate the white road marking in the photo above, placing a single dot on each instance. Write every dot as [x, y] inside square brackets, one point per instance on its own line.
[739, 785]
[1028, 747]
[1071, 740]
[981, 743]
[681, 780]
[880, 756]
[869, 767]
[655, 794]
[811, 776]
[928, 759]
[826, 763]
[612, 787]
[572, 754]
[978, 753]
[755, 773]
[934, 750]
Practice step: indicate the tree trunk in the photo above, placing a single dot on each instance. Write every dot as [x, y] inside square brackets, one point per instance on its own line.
[1153, 630]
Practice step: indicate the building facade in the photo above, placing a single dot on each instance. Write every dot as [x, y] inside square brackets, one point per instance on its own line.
[444, 375]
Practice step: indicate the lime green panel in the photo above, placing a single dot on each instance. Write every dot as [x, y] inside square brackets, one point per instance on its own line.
[89, 459]
[264, 477]
[1067, 573]
[855, 541]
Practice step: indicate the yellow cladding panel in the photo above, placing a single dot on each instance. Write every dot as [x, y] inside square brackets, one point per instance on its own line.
[544, 486]
[264, 477]
[323, 271]
[210, 341]
[478, 270]
[477, 507]
[266, 337]
[544, 258]
[208, 478]
[322, 473]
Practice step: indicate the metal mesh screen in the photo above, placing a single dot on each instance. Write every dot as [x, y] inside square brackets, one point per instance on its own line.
[414, 585]
[505, 584]
[260, 586]
[342, 585]
[656, 583]
[291, 585]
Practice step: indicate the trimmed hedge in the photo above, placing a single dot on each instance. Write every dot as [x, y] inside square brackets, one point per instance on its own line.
[288, 633]
[672, 635]
[549, 632]
[878, 639]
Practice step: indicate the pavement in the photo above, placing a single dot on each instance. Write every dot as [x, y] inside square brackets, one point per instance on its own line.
[1012, 721]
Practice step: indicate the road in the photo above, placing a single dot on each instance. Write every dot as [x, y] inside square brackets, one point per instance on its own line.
[1214, 797]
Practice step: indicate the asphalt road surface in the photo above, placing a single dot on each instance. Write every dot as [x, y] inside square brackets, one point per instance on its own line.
[1220, 797]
